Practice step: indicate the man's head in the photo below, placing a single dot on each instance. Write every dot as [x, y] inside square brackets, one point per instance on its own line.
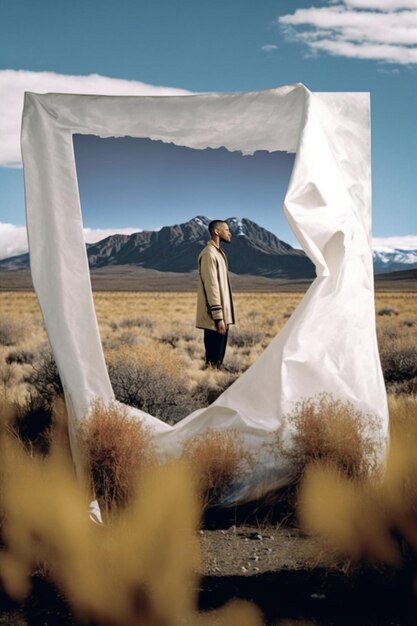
[219, 231]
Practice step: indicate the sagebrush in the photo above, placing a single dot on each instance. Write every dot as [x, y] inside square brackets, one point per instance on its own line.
[324, 428]
[218, 458]
[115, 447]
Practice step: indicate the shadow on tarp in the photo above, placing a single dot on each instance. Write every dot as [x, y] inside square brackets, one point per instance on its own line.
[275, 508]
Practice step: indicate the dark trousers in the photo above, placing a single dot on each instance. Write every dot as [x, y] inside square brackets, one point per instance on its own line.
[215, 346]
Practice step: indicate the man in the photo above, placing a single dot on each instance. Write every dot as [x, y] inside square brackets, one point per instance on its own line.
[214, 296]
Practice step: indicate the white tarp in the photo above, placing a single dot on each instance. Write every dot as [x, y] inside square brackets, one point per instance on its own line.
[329, 343]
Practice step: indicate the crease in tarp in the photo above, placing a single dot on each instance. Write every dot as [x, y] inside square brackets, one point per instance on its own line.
[327, 206]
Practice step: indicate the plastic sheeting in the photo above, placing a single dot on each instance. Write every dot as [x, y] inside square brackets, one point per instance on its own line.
[328, 344]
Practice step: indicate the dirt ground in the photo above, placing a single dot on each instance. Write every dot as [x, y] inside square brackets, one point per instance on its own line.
[248, 551]
[299, 581]
[260, 554]
[295, 579]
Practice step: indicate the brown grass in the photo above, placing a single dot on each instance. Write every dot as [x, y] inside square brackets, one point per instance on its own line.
[218, 458]
[115, 448]
[8, 377]
[151, 380]
[332, 430]
[138, 322]
[346, 513]
[398, 352]
[358, 515]
[141, 568]
[11, 331]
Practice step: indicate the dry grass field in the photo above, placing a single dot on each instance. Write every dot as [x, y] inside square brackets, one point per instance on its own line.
[155, 360]
[144, 330]
[157, 329]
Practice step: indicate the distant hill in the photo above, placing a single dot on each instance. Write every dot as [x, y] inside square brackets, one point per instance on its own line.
[406, 278]
[254, 250]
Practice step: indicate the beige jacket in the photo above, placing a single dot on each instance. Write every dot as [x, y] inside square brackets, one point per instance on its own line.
[214, 294]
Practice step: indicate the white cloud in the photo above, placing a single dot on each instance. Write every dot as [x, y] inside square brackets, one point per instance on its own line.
[380, 52]
[404, 242]
[91, 235]
[13, 84]
[382, 5]
[353, 28]
[13, 239]
[269, 47]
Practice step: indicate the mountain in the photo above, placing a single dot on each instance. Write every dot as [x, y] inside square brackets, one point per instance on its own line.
[254, 250]
[393, 260]
[19, 262]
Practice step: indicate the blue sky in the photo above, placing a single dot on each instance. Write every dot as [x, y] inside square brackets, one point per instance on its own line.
[138, 46]
[156, 183]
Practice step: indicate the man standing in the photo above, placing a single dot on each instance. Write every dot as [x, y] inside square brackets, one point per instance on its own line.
[214, 296]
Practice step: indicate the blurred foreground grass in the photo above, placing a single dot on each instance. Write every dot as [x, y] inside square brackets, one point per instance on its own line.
[143, 565]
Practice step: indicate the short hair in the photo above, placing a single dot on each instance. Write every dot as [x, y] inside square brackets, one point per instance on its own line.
[215, 224]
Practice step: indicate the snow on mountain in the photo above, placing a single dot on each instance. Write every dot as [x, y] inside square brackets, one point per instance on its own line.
[237, 226]
[254, 250]
[393, 259]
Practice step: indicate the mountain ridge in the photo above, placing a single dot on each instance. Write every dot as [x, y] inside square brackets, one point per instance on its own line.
[175, 248]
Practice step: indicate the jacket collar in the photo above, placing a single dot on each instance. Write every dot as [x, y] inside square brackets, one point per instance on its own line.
[211, 243]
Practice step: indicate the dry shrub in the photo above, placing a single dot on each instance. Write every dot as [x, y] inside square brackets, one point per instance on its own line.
[127, 338]
[139, 568]
[342, 510]
[8, 376]
[399, 364]
[235, 365]
[33, 424]
[403, 416]
[7, 417]
[44, 377]
[388, 310]
[359, 516]
[173, 338]
[387, 334]
[11, 331]
[219, 457]
[325, 428]
[139, 322]
[142, 568]
[209, 389]
[115, 448]
[245, 338]
[21, 356]
[151, 380]
[398, 353]
[401, 473]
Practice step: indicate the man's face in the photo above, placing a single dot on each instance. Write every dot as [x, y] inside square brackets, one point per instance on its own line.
[224, 233]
